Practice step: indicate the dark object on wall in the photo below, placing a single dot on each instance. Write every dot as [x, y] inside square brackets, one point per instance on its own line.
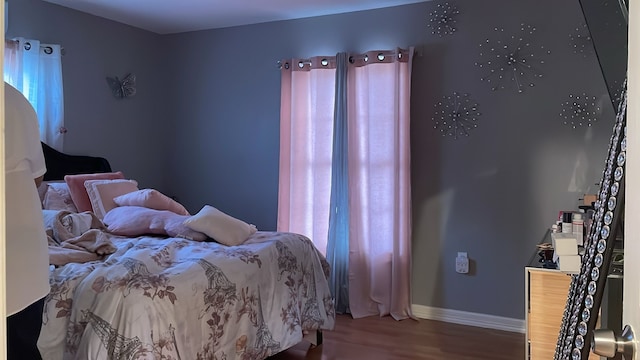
[60, 164]
[607, 21]
[122, 88]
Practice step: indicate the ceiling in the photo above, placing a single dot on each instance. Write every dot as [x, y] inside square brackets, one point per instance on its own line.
[175, 16]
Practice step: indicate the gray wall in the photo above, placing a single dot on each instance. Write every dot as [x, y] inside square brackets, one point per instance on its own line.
[210, 108]
[495, 193]
[131, 133]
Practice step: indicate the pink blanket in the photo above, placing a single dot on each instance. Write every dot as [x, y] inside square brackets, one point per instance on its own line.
[66, 247]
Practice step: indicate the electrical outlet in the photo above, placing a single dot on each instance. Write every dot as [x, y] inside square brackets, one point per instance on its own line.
[462, 263]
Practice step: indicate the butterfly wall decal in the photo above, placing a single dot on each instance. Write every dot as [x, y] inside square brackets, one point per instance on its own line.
[122, 88]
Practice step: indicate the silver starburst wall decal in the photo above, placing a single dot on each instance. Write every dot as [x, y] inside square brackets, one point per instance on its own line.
[580, 110]
[456, 115]
[442, 20]
[580, 41]
[511, 61]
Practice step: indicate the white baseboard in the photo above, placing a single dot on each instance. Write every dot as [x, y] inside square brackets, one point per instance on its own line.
[468, 318]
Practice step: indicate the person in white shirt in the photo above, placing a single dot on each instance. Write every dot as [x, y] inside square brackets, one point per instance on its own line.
[27, 256]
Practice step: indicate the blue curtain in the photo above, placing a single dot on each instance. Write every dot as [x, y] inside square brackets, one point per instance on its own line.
[338, 241]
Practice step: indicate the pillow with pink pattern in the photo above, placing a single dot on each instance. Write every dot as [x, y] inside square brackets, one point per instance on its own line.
[152, 199]
[136, 221]
[58, 197]
[79, 192]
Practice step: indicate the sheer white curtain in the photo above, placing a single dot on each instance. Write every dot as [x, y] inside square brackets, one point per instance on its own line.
[36, 70]
[378, 92]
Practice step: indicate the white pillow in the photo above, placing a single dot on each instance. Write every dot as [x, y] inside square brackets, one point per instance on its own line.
[219, 226]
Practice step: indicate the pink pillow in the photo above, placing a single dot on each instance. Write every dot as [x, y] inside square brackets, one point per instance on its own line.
[102, 192]
[79, 192]
[138, 221]
[152, 199]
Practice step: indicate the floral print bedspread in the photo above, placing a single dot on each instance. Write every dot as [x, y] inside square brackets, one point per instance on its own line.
[175, 299]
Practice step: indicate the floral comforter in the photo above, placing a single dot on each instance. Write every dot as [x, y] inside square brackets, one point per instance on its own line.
[172, 299]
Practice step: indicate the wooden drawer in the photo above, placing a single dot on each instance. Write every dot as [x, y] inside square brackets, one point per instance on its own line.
[547, 299]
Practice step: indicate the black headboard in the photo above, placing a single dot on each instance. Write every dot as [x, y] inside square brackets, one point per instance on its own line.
[60, 164]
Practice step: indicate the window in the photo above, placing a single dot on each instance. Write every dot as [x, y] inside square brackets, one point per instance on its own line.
[363, 105]
[36, 70]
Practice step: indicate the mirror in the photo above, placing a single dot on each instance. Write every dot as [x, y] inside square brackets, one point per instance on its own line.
[587, 287]
[607, 21]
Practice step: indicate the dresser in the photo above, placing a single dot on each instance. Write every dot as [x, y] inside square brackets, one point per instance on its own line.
[546, 293]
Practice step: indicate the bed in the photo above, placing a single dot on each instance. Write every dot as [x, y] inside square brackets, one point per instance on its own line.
[168, 297]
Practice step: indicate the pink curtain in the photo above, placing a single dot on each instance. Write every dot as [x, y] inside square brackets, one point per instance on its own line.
[378, 86]
[379, 183]
[306, 134]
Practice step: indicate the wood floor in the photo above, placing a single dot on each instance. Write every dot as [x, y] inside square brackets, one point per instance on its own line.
[375, 338]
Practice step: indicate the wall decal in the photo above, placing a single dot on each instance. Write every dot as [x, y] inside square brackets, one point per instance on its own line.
[511, 61]
[580, 41]
[456, 115]
[122, 88]
[580, 110]
[442, 20]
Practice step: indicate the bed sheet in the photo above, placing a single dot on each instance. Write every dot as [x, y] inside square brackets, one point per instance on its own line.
[172, 298]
